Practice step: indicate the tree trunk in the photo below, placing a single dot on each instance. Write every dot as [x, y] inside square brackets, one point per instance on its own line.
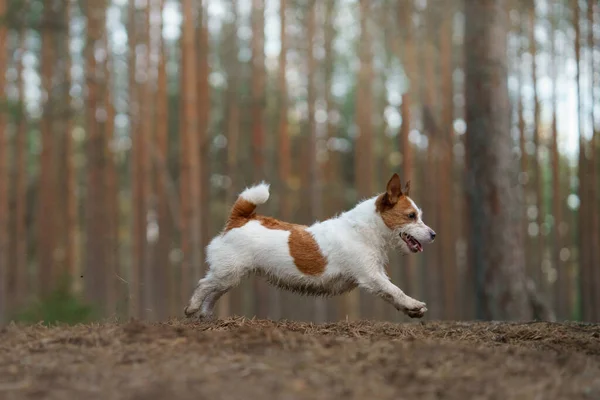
[593, 191]
[284, 139]
[18, 263]
[537, 241]
[431, 127]
[190, 171]
[334, 199]
[560, 291]
[71, 264]
[409, 56]
[262, 291]
[500, 274]
[162, 269]
[47, 229]
[231, 301]
[363, 152]
[524, 164]
[203, 128]
[95, 276]
[315, 193]
[446, 219]
[3, 168]
[585, 273]
[112, 190]
[138, 201]
[146, 146]
[315, 202]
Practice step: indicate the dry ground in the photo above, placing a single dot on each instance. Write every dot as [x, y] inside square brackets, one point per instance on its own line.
[246, 359]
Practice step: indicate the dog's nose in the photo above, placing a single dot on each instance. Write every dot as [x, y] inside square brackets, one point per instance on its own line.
[432, 233]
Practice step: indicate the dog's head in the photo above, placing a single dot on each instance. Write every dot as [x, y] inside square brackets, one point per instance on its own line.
[403, 217]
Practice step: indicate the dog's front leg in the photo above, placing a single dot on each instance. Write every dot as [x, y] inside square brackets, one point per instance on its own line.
[381, 286]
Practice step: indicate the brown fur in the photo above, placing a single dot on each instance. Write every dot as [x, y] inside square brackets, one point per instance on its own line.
[395, 215]
[273, 223]
[306, 252]
[394, 205]
[241, 212]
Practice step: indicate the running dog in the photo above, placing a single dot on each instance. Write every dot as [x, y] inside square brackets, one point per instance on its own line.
[327, 258]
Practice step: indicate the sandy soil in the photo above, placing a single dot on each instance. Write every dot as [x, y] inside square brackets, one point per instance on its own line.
[246, 359]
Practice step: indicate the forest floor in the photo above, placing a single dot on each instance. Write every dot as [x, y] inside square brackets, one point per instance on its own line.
[254, 359]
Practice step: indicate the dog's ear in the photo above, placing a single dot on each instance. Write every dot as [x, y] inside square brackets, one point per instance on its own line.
[406, 190]
[394, 189]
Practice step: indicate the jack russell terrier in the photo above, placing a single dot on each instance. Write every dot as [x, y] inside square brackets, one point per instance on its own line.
[327, 258]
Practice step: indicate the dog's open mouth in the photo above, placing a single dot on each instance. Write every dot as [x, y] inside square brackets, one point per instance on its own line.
[413, 244]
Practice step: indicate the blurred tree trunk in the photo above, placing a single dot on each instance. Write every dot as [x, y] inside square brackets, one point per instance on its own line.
[524, 164]
[434, 287]
[147, 145]
[500, 275]
[203, 127]
[162, 274]
[593, 187]
[138, 201]
[71, 202]
[561, 287]
[231, 301]
[363, 107]
[334, 200]
[405, 14]
[585, 273]
[537, 240]
[190, 168]
[284, 148]
[47, 229]
[3, 166]
[18, 279]
[112, 191]
[262, 291]
[315, 202]
[430, 111]
[315, 193]
[96, 273]
[363, 151]
[284, 139]
[446, 202]
[61, 123]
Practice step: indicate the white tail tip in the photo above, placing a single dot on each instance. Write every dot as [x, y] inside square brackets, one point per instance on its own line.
[258, 194]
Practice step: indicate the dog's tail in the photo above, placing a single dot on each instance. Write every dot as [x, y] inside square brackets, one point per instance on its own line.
[249, 199]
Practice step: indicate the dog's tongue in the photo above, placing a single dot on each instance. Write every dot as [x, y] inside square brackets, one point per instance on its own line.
[415, 244]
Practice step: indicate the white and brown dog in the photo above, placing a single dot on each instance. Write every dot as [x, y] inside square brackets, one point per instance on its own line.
[327, 258]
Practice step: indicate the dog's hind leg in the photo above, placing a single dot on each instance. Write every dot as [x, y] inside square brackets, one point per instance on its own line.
[209, 290]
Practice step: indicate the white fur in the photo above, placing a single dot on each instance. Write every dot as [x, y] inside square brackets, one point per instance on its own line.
[354, 243]
[258, 194]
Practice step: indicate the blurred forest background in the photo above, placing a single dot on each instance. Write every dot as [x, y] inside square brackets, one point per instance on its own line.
[127, 129]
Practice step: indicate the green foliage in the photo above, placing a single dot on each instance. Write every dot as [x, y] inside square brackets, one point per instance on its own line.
[59, 307]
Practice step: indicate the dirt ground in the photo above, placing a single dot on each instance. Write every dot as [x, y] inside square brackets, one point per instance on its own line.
[255, 359]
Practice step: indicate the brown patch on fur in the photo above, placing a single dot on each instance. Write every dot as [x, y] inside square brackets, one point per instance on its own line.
[273, 223]
[306, 252]
[394, 215]
[241, 212]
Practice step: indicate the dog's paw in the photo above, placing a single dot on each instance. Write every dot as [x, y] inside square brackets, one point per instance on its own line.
[189, 311]
[197, 315]
[415, 309]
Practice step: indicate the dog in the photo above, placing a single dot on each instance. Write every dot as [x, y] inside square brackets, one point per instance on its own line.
[327, 258]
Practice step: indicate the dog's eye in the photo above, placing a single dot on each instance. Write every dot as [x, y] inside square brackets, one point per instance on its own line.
[412, 215]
